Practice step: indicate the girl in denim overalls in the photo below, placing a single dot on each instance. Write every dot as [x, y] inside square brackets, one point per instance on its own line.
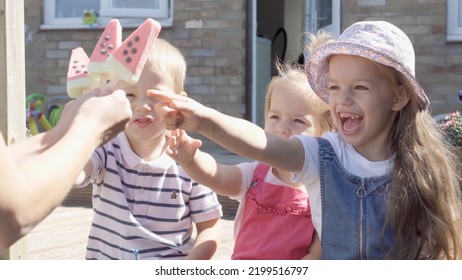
[273, 220]
[385, 185]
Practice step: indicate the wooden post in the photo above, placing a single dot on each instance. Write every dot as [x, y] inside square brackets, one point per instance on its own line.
[12, 89]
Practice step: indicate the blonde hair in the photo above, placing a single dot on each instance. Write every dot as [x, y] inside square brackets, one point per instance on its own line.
[296, 77]
[316, 40]
[167, 58]
[425, 199]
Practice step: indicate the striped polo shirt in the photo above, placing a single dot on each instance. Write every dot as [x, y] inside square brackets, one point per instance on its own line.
[144, 209]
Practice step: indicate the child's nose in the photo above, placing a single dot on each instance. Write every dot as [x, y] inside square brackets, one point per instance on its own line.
[283, 129]
[143, 106]
[344, 97]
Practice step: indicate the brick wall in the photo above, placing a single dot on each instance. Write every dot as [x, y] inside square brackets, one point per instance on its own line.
[211, 35]
[438, 62]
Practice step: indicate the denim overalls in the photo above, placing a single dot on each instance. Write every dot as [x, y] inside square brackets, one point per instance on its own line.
[353, 211]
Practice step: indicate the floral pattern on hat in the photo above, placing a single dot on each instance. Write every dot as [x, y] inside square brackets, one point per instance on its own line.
[379, 41]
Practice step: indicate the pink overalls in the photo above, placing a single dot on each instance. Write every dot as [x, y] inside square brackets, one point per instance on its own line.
[276, 222]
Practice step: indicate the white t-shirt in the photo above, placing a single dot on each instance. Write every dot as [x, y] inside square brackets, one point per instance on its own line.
[349, 158]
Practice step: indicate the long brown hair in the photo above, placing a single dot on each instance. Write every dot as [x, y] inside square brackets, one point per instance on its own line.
[425, 198]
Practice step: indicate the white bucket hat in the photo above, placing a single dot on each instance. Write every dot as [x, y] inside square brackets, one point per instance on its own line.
[378, 41]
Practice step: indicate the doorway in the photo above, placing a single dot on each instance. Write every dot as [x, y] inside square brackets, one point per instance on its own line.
[276, 29]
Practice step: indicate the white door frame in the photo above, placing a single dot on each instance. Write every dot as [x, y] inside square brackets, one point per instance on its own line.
[250, 60]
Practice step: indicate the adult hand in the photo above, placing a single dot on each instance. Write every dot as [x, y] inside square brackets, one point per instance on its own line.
[106, 111]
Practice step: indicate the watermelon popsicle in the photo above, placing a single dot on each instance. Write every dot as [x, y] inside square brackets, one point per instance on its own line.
[110, 40]
[78, 79]
[129, 59]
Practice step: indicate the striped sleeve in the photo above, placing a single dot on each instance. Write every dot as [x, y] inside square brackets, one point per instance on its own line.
[98, 160]
[204, 204]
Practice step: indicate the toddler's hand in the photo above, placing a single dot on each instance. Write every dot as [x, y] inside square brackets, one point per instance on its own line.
[182, 147]
[178, 111]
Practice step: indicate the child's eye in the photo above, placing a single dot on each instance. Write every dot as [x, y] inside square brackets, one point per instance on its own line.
[361, 87]
[129, 95]
[274, 117]
[299, 121]
[332, 87]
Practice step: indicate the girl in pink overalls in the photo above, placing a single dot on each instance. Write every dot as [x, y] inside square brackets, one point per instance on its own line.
[273, 220]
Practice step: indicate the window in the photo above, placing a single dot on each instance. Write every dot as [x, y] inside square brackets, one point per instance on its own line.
[65, 14]
[322, 14]
[454, 30]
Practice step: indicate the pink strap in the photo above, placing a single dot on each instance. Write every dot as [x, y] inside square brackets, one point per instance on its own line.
[259, 173]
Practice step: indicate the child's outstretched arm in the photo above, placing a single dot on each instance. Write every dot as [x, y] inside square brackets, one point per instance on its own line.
[202, 167]
[207, 240]
[237, 135]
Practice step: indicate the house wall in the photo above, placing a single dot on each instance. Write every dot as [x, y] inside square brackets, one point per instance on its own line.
[214, 46]
[211, 35]
[438, 62]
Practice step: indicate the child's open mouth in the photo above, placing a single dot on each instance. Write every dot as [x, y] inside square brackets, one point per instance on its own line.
[350, 123]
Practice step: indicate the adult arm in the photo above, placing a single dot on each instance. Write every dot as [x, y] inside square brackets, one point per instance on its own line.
[33, 186]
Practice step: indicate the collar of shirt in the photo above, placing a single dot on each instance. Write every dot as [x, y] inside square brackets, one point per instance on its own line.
[164, 162]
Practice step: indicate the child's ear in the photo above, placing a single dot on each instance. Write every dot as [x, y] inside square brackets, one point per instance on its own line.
[401, 98]
[183, 93]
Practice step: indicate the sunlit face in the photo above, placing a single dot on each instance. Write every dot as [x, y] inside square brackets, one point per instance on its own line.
[289, 113]
[144, 125]
[361, 101]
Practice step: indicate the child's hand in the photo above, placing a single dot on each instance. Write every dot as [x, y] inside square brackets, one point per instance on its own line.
[182, 147]
[178, 111]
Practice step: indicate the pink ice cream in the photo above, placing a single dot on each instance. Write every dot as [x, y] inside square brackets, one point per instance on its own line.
[78, 79]
[108, 43]
[129, 59]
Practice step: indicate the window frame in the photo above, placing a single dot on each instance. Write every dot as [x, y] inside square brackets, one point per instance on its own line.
[135, 16]
[107, 8]
[454, 32]
[311, 17]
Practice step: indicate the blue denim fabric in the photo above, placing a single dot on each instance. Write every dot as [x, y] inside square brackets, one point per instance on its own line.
[353, 211]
